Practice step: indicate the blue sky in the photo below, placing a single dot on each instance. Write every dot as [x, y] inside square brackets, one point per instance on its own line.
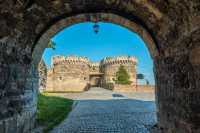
[112, 40]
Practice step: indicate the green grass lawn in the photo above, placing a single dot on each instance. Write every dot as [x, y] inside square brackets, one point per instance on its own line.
[52, 110]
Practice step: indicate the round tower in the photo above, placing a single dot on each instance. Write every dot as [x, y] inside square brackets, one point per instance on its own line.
[110, 66]
[70, 73]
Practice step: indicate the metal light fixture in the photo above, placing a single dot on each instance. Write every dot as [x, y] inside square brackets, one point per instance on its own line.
[96, 28]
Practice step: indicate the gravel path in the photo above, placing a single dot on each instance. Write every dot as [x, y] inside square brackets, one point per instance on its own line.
[117, 115]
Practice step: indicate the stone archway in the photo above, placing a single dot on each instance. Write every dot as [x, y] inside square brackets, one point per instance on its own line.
[172, 25]
[92, 17]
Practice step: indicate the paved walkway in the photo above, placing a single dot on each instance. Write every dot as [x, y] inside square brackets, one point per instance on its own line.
[114, 113]
[97, 93]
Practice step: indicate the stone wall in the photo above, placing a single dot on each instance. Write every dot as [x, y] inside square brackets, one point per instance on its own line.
[145, 88]
[178, 99]
[19, 111]
[130, 88]
[124, 88]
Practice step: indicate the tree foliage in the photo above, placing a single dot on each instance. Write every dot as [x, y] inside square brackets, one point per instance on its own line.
[122, 76]
[51, 44]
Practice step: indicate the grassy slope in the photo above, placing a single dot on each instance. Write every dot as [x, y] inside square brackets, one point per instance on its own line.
[52, 110]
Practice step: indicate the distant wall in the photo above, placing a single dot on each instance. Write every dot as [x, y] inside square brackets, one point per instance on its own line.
[124, 88]
[73, 86]
[146, 88]
[129, 88]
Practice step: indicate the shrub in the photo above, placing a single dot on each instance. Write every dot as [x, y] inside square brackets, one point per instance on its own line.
[122, 76]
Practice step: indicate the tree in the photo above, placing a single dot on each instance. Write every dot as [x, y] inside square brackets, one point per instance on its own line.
[122, 76]
[51, 44]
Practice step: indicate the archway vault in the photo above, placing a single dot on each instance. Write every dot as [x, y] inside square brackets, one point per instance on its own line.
[93, 17]
[170, 29]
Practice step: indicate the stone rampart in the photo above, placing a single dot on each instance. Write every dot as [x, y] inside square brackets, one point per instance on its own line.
[56, 60]
[129, 88]
[119, 60]
[145, 88]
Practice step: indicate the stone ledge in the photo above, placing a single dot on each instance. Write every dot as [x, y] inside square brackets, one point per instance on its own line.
[129, 88]
[133, 88]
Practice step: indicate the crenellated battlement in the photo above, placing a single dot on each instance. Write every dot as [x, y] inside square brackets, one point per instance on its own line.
[79, 72]
[119, 60]
[69, 60]
[56, 60]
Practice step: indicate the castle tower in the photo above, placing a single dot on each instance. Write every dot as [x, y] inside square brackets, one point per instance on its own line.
[110, 66]
[69, 74]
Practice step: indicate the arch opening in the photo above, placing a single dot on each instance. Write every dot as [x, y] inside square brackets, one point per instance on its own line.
[174, 26]
[111, 63]
[136, 47]
[92, 17]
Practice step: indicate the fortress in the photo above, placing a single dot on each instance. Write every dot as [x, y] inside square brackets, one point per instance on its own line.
[76, 74]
